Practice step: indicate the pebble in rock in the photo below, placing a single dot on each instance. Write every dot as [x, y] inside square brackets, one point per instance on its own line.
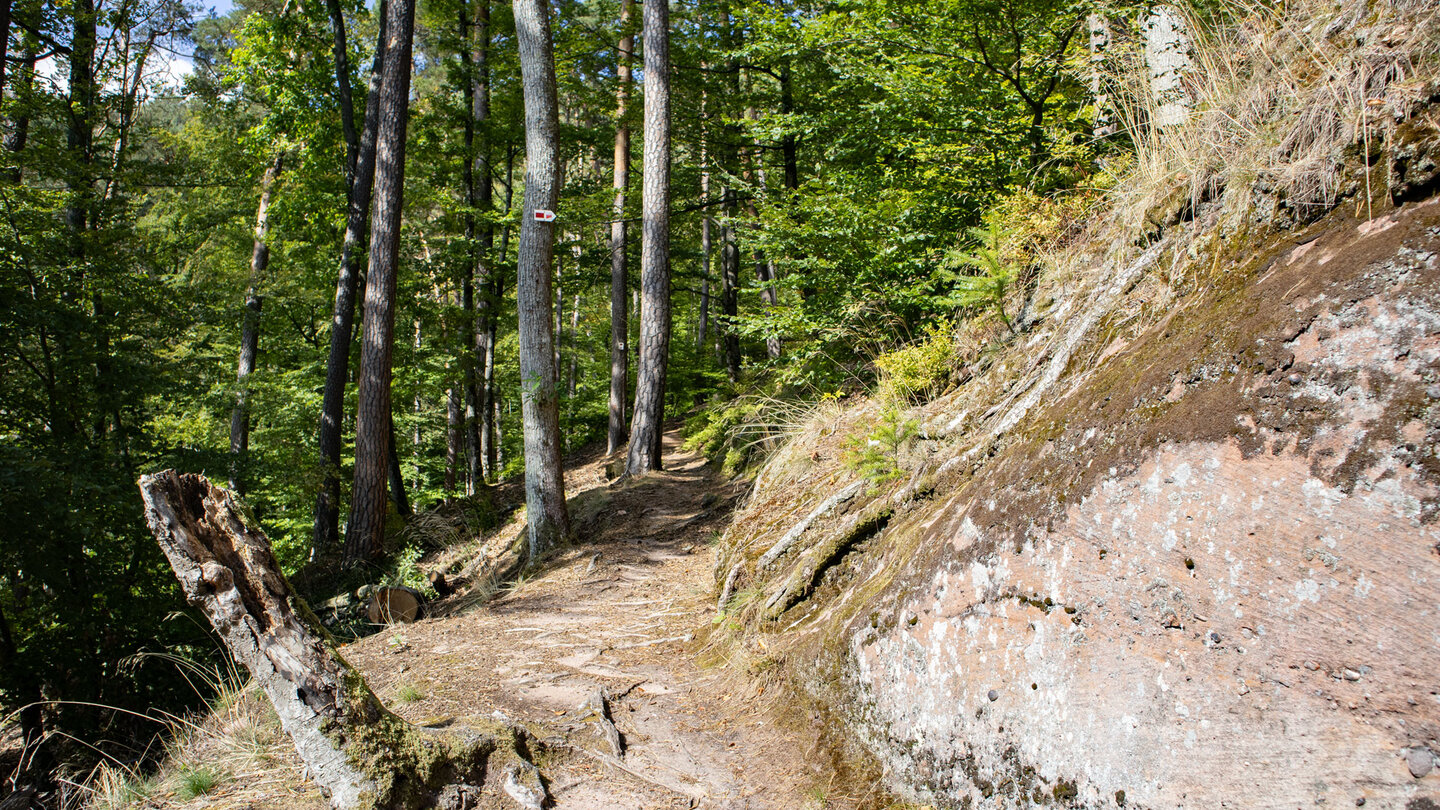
[1421, 761]
[993, 695]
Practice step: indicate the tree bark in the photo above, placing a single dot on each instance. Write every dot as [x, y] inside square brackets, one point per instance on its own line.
[337, 369]
[647, 424]
[360, 754]
[619, 272]
[4, 43]
[548, 522]
[702, 325]
[250, 331]
[341, 53]
[1104, 124]
[1167, 56]
[490, 433]
[479, 197]
[373, 427]
[764, 268]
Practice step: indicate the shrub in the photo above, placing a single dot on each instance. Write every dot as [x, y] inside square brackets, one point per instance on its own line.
[918, 371]
[406, 573]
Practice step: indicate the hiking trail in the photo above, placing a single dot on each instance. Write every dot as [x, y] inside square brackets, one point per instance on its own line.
[623, 609]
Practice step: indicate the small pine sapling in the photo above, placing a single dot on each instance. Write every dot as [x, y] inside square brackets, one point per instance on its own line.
[876, 457]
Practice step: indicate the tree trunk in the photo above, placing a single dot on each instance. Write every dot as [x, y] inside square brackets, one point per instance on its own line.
[360, 754]
[547, 519]
[4, 43]
[395, 479]
[729, 287]
[341, 54]
[490, 436]
[619, 272]
[702, 325]
[479, 197]
[1105, 124]
[373, 428]
[337, 368]
[1167, 56]
[764, 268]
[250, 332]
[648, 421]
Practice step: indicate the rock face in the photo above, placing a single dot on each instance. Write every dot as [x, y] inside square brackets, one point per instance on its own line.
[1199, 568]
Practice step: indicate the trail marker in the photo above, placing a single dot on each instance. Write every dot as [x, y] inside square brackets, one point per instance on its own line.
[541, 215]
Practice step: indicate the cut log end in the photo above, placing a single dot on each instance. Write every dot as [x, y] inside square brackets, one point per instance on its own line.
[392, 605]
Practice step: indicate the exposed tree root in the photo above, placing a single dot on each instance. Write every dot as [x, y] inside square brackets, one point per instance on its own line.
[816, 560]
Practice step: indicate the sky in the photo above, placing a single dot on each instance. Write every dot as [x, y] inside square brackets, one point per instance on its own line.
[170, 67]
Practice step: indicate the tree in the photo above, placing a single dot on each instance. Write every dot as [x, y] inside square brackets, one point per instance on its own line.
[1167, 55]
[250, 329]
[337, 367]
[374, 431]
[647, 424]
[619, 275]
[547, 519]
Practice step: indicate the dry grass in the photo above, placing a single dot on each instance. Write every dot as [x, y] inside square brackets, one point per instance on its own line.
[1280, 91]
[235, 755]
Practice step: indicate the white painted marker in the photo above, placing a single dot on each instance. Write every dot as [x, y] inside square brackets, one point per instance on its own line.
[541, 215]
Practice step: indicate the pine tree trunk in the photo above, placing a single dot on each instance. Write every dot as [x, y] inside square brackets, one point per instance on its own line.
[360, 754]
[337, 367]
[373, 426]
[619, 272]
[548, 522]
[250, 332]
[1167, 56]
[648, 421]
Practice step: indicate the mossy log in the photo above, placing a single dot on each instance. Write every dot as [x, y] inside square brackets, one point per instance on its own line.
[359, 753]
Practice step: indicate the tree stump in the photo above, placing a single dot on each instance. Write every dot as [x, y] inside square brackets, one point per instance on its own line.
[359, 753]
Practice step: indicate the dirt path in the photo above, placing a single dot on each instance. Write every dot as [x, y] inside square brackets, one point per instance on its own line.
[621, 611]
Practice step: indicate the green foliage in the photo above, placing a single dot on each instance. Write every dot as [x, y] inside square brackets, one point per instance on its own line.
[876, 456]
[981, 277]
[917, 372]
[405, 572]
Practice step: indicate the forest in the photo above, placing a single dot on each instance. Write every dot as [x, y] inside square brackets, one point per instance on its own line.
[363, 263]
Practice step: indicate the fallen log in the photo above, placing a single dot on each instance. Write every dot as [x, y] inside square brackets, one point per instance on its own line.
[359, 753]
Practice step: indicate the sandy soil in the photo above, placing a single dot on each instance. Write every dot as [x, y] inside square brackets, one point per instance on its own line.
[626, 609]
